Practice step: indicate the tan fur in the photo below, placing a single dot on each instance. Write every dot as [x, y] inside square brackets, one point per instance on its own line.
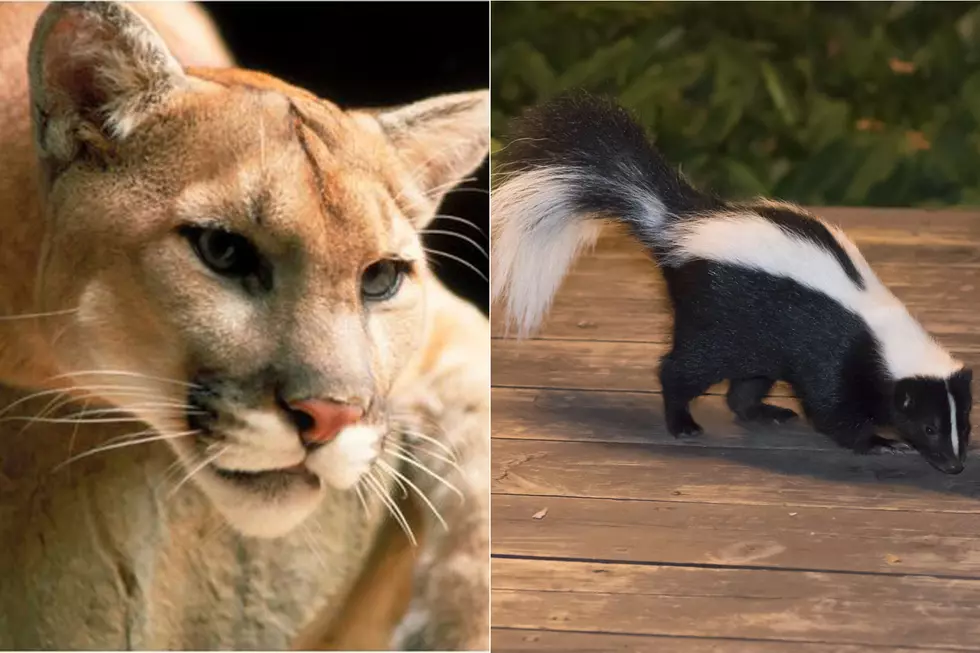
[135, 132]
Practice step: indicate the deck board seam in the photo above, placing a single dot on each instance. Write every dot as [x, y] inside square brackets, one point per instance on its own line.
[724, 567]
[683, 445]
[783, 504]
[731, 639]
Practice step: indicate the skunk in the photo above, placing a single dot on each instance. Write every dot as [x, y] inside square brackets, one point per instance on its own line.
[761, 291]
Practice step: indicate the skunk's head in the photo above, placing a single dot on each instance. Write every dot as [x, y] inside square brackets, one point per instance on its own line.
[933, 416]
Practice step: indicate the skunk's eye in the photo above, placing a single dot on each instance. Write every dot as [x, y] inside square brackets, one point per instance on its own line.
[382, 280]
[930, 430]
[226, 253]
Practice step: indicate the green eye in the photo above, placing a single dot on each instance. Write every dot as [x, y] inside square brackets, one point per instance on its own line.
[382, 280]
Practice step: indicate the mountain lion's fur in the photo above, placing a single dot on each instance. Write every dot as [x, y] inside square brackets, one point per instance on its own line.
[120, 145]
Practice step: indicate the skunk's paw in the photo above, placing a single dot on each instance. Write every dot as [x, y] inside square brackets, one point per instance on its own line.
[877, 445]
[683, 426]
[895, 447]
[771, 414]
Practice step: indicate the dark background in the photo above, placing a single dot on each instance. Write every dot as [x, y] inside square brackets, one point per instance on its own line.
[376, 53]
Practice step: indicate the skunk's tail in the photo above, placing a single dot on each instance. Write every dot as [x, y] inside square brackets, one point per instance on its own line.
[572, 162]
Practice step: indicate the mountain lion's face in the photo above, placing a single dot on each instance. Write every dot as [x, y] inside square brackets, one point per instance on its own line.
[244, 258]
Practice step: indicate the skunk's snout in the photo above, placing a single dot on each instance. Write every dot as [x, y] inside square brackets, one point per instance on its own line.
[950, 466]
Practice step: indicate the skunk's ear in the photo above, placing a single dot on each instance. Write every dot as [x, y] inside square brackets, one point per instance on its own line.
[96, 70]
[442, 139]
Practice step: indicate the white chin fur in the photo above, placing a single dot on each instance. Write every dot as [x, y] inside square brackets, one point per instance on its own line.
[341, 463]
[256, 516]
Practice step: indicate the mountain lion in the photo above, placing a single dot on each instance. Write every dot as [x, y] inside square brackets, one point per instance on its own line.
[231, 381]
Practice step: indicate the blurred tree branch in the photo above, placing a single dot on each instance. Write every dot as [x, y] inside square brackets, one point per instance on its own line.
[859, 103]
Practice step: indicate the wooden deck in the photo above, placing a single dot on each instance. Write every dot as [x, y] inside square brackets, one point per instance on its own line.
[609, 535]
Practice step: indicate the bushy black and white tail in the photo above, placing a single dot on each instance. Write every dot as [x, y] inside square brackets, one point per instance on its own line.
[572, 163]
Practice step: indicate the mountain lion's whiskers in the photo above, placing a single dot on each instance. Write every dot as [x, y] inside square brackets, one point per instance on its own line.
[378, 488]
[133, 409]
[204, 463]
[448, 449]
[92, 390]
[120, 445]
[456, 218]
[398, 476]
[442, 232]
[411, 460]
[111, 415]
[74, 433]
[428, 452]
[459, 260]
[398, 480]
[66, 420]
[138, 375]
[468, 190]
[435, 190]
[58, 392]
[360, 497]
[31, 316]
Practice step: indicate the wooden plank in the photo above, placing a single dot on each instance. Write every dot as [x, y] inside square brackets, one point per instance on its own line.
[789, 606]
[578, 430]
[947, 223]
[625, 366]
[730, 476]
[582, 365]
[634, 417]
[519, 640]
[892, 542]
[594, 416]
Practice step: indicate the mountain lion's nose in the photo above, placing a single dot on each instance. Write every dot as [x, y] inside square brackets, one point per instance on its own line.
[319, 421]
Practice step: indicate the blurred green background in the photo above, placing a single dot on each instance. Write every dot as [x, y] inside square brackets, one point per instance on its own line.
[821, 103]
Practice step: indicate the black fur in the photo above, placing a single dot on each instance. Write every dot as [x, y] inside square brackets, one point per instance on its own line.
[749, 327]
[732, 323]
[596, 136]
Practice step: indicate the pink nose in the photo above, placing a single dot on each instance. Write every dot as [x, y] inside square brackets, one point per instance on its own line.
[324, 419]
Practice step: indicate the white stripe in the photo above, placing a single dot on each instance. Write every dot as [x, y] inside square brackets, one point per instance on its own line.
[954, 433]
[749, 240]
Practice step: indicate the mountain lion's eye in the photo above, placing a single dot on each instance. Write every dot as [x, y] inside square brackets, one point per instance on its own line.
[381, 280]
[226, 253]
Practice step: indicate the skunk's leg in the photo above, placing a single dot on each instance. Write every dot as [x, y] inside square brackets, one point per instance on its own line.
[745, 399]
[681, 381]
[844, 420]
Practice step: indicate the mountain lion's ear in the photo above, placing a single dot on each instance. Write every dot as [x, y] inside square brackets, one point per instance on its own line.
[96, 70]
[443, 139]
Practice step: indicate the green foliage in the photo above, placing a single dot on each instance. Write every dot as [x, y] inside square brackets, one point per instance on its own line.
[823, 103]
